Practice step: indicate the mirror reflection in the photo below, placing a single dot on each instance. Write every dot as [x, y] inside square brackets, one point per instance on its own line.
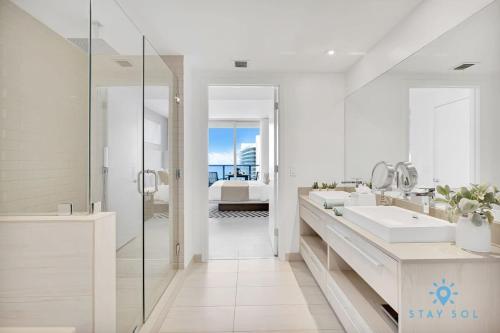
[438, 109]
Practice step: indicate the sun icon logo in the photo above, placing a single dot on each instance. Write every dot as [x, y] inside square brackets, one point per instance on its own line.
[443, 293]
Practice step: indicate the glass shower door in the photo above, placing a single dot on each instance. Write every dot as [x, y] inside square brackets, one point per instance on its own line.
[159, 178]
[117, 148]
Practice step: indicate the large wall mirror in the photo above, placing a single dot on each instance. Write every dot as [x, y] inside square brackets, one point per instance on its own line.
[439, 109]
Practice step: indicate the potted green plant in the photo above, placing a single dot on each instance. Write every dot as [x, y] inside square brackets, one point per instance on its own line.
[324, 186]
[470, 207]
[332, 186]
[315, 186]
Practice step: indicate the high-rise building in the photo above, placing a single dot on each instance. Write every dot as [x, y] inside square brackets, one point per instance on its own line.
[248, 154]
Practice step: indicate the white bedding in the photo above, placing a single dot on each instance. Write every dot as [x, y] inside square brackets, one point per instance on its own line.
[258, 191]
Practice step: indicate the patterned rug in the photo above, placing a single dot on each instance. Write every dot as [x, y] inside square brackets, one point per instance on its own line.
[215, 213]
[160, 216]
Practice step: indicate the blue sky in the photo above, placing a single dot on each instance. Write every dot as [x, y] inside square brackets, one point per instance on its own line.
[220, 143]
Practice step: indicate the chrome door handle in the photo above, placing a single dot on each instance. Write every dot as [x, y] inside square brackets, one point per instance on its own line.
[139, 182]
[155, 175]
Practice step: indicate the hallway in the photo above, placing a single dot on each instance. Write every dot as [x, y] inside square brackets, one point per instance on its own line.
[239, 238]
[255, 295]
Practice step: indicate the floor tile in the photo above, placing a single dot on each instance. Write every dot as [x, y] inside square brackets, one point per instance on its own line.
[211, 279]
[267, 279]
[199, 319]
[240, 237]
[205, 297]
[263, 265]
[285, 317]
[230, 266]
[279, 295]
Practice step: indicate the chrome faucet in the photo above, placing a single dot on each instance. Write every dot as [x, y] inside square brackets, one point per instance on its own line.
[426, 197]
[355, 181]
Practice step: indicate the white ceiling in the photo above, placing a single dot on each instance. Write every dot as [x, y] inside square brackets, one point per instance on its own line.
[476, 40]
[273, 35]
[277, 35]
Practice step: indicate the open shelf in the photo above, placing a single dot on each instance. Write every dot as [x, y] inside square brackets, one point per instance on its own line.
[318, 247]
[359, 302]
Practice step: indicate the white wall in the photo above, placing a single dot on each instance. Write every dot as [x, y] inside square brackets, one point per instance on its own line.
[240, 109]
[376, 126]
[310, 142]
[429, 20]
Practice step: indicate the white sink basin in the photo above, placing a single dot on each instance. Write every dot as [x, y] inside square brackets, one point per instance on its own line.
[335, 198]
[398, 225]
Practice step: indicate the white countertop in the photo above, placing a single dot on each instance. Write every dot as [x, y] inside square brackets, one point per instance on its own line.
[412, 251]
[55, 218]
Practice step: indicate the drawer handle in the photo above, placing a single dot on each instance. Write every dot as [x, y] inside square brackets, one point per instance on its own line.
[355, 247]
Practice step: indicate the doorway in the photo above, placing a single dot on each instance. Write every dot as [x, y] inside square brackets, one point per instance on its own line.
[242, 171]
[442, 118]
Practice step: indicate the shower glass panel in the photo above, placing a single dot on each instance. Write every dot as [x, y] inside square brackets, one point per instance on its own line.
[159, 178]
[44, 80]
[88, 114]
[116, 146]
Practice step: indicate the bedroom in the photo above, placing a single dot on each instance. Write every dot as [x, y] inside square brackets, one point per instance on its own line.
[241, 171]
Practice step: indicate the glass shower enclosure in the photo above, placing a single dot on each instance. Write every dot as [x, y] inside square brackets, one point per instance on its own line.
[87, 119]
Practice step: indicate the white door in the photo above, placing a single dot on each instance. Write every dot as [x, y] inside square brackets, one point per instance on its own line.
[273, 164]
[453, 143]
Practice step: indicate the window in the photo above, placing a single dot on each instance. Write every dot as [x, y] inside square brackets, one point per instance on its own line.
[234, 146]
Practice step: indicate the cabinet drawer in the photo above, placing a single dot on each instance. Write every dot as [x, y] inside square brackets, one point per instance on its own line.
[313, 218]
[314, 265]
[375, 267]
[340, 305]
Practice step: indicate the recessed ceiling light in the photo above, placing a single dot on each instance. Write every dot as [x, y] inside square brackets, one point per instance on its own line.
[330, 52]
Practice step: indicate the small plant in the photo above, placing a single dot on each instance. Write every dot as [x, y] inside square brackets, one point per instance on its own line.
[324, 186]
[332, 186]
[315, 186]
[477, 200]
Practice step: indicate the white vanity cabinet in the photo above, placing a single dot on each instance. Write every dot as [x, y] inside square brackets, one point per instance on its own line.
[434, 287]
[375, 267]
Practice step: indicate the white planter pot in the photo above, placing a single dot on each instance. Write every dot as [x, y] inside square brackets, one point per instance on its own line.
[472, 237]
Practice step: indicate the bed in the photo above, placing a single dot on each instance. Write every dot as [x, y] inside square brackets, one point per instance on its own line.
[239, 195]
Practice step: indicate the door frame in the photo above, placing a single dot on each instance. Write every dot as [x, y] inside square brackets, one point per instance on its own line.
[475, 117]
[205, 255]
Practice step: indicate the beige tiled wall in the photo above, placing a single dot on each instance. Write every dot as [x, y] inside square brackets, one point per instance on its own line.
[49, 272]
[43, 116]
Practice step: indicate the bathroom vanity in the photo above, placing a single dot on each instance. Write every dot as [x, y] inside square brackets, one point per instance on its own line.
[433, 287]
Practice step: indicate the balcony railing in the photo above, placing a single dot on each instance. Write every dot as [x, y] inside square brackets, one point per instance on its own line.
[226, 172]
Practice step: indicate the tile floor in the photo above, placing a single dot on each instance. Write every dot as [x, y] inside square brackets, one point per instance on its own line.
[252, 295]
[241, 237]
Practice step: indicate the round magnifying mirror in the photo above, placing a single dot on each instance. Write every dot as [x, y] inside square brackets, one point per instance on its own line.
[406, 176]
[382, 175]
